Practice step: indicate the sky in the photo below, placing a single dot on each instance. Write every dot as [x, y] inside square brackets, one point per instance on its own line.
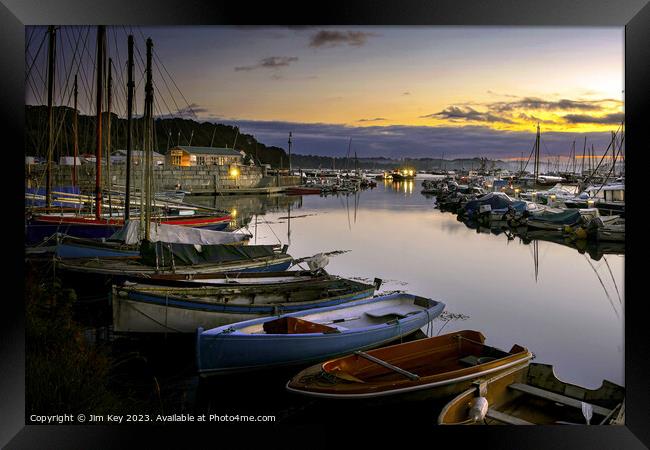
[397, 91]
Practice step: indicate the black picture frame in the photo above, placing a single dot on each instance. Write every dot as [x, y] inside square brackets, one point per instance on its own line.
[634, 15]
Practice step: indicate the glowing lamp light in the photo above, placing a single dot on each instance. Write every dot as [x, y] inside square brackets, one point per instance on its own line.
[553, 197]
[411, 172]
[234, 172]
[233, 213]
[590, 203]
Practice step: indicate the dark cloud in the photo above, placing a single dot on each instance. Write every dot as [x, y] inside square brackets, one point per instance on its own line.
[520, 110]
[376, 119]
[272, 62]
[533, 118]
[406, 93]
[467, 113]
[534, 103]
[609, 119]
[398, 141]
[190, 111]
[328, 38]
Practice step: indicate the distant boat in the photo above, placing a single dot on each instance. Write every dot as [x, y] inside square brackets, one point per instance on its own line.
[554, 220]
[313, 335]
[182, 309]
[533, 395]
[302, 190]
[435, 367]
[403, 174]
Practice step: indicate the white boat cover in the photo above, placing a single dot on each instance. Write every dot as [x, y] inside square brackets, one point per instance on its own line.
[177, 234]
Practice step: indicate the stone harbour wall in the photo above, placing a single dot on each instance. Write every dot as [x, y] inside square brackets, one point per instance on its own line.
[200, 179]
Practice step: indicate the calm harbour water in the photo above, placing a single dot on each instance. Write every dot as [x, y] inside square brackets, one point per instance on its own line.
[569, 314]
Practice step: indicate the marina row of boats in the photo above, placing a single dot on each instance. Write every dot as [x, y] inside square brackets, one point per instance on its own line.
[582, 216]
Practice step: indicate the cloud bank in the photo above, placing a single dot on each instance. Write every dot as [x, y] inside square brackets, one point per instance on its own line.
[399, 141]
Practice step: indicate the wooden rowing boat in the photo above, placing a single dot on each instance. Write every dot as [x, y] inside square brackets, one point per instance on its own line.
[304, 337]
[434, 367]
[532, 395]
[144, 308]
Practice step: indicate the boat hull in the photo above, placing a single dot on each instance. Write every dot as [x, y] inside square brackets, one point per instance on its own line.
[533, 395]
[147, 314]
[439, 367]
[222, 352]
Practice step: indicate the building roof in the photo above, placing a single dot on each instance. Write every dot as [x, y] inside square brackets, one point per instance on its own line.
[209, 150]
[137, 153]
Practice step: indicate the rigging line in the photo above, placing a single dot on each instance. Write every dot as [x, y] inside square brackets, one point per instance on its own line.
[28, 54]
[603, 285]
[171, 78]
[178, 109]
[88, 87]
[37, 96]
[613, 279]
[40, 76]
[604, 154]
[271, 228]
[529, 156]
[67, 77]
[30, 36]
[165, 103]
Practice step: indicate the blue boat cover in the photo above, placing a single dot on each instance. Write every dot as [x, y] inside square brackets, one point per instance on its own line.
[496, 200]
[41, 191]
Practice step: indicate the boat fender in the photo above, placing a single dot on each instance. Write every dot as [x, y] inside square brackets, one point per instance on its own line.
[580, 233]
[478, 409]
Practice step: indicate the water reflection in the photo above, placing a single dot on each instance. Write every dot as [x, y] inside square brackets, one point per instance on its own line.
[531, 288]
[405, 187]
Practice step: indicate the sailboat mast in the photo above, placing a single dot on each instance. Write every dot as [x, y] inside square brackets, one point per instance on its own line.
[582, 165]
[289, 153]
[108, 136]
[75, 125]
[148, 141]
[129, 126]
[50, 120]
[537, 139]
[101, 41]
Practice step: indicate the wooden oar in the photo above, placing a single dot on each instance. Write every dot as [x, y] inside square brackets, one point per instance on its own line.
[383, 363]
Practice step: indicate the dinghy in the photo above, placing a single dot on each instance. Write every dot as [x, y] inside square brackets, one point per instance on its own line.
[435, 367]
[533, 395]
[142, 308]
[314, 335]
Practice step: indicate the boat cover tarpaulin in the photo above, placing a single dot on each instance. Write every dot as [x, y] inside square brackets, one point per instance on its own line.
[496, 200]
[166, 254]
[130, 234]
[567, 217]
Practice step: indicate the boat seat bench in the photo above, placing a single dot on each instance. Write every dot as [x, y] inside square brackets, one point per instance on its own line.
[559, 398]
[505, 418]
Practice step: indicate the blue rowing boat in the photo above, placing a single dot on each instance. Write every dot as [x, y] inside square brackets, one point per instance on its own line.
[310, 336]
